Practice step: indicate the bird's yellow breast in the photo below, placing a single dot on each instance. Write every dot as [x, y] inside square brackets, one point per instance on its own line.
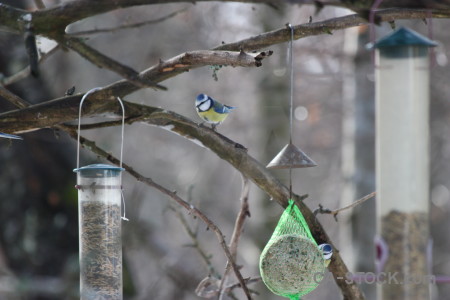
[211, 116]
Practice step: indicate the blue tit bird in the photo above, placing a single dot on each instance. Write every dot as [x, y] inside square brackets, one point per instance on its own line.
[327, 251]
[211, 111]
[10, 136]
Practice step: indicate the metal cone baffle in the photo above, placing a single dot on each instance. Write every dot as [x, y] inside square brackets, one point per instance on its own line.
[291, 157]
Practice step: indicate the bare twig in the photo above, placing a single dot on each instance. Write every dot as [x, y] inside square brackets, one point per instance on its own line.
[127, 26]
[243, 213]
[195, 242]
[248, 280]
[321, 210]
[13, 98]
[282, 35]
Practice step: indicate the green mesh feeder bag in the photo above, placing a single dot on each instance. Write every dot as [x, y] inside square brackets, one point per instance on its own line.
[291, 260]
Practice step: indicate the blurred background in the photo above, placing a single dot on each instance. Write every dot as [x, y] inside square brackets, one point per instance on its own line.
[334, 125]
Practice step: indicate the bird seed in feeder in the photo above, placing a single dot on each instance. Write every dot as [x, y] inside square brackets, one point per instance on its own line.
[101, 250]
[406, 235]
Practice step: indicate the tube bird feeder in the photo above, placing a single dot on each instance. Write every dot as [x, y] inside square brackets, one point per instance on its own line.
[99, 213]
[99, 221]
[402, 163]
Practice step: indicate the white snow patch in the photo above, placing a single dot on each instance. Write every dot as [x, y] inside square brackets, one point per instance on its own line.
[197, 142]
[168, 127]
[171, 127]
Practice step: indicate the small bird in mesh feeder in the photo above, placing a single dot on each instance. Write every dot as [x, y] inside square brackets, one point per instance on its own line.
[211, 111]
[327, 251]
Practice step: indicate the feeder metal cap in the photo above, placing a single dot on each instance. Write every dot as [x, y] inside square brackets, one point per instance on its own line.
[291, 157]
[97, 170]
[403, 37]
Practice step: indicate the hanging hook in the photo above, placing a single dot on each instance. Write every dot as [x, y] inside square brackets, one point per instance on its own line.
[88, 93]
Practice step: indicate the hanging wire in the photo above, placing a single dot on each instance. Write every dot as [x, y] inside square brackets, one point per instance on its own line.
[79, 122]
[122, 131]
[88, 93]
[121, 155]
[291, 83]
[291, 80]
[123, 201]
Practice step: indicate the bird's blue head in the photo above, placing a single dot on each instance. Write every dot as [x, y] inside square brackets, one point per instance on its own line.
[327, 250]
[201, 98]
[203, 102]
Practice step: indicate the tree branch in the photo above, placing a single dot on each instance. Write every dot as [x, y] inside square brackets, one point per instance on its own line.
[52, 21]
[69, 12]
[243, 213]
[282, 35]
[65, 109]
[153, 74]
[190, 60]
[13, 98]
[321, 210]
[127, 26]
[192, 233]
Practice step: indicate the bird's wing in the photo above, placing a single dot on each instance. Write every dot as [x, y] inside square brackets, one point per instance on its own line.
[222, 109]
[10, 136]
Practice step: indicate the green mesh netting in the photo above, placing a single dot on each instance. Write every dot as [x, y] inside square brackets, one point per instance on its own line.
[291, 264]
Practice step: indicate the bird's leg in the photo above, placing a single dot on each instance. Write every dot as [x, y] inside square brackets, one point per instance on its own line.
[213, 126]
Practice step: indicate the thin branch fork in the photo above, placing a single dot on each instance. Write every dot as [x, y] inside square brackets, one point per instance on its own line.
[334, 213]
[243, 213]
